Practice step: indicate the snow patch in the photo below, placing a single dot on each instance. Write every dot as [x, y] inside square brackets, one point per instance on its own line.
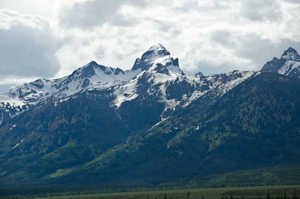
[125, 92]
[13, 126]
[288, 67]
[18, 143]
[164, 119]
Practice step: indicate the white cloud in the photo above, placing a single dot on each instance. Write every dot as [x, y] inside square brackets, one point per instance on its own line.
[95, 13]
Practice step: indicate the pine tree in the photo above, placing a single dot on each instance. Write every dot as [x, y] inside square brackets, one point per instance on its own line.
[188, 194]
[165, 197]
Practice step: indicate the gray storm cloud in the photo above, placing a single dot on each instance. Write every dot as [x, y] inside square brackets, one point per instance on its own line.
[26, 50]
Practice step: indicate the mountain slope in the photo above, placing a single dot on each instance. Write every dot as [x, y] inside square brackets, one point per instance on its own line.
[253, 126]
[59, 135]
[249, 127]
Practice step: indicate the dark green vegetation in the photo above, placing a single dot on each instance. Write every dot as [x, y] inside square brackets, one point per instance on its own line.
[279, 175]
[84, 140]
[264, 192]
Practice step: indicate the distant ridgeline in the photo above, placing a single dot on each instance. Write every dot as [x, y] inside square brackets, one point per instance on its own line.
[153, 125]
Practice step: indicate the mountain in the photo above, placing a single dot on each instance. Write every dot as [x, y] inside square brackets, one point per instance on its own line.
[288, 64]
[151, 124]
[90, 76]
[41, 91]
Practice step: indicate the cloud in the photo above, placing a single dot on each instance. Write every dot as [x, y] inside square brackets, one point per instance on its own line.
[257, 10]
[293, 1]
[27, 46]
[95, 13]
[208, 35]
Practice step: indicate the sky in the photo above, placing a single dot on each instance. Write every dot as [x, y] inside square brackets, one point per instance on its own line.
[52, 38]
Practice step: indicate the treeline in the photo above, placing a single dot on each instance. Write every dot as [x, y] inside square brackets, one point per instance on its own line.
[33, 192]
[46, 191]
[268, 196]
[294, 196]
[64, 190]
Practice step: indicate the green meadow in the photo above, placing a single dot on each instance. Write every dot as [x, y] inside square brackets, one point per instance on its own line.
[276, 192]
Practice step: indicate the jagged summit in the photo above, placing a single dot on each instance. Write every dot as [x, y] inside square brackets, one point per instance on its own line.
[288, 64]
[291, 54]
[91, 69]
[199, 75]
[157, 56]
[157, 47]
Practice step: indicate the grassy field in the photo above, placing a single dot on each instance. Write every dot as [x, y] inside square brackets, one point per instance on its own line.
[208, 193]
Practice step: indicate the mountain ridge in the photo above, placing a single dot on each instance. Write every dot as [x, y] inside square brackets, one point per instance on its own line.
[159, 126]
[157, 64]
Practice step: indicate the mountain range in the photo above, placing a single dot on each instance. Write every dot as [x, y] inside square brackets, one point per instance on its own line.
[151, 124]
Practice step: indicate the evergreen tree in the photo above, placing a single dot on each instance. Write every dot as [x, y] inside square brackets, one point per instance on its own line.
[165, 197]
[188, 194]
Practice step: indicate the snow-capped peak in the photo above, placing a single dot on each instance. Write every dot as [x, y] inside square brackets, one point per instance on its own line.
[291, 54]
[156, 57]
[288, 64]
[155, 52]
[157, 47]
[158, 66]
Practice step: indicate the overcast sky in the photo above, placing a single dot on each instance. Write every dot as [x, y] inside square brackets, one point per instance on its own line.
[51, 38]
